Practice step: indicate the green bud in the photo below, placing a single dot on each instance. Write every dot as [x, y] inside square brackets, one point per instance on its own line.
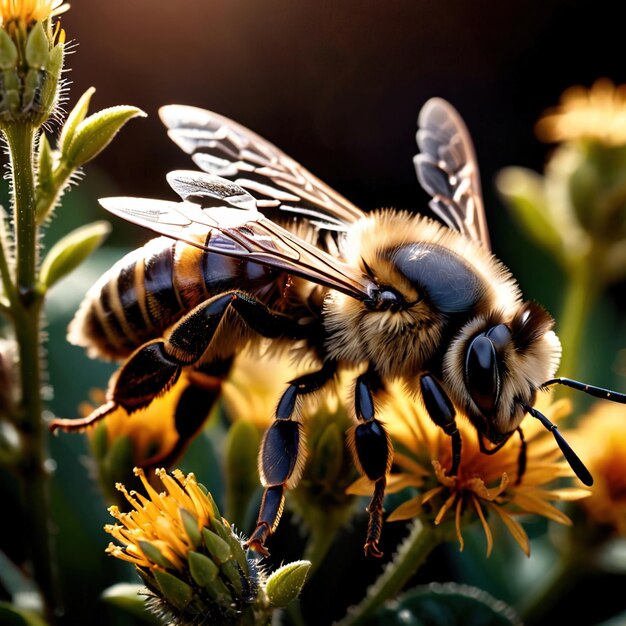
[100, 442]
[76, 116]
[8, 52]
[190, 524]
[154, 554]
[203, 570]
[70, 251]
[524, 193]
[128, 597]
[285, 583]
[95, 133]
[175, 591]
[216, 546]
[242, 449]
[328, 455]
[37, 47]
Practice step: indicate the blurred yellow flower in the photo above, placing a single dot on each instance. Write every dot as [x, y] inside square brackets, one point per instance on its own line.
[485, 484]
[601, 441]
[597, 114]
[28, 11]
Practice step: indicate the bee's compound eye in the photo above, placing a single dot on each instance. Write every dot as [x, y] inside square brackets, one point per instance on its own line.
[481, 373]
[499, 335]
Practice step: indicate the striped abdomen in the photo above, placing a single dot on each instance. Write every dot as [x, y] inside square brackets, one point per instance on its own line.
[152, 287]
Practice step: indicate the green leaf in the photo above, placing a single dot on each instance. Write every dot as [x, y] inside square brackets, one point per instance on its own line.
[127, 597]
[76, 116]
[95, 133]
[286, 582]
[242, 474]
[190, 524]
[70, 251]
[447, 604]
[524, 193]
[152, 553]
[174, 590]
[12, 616]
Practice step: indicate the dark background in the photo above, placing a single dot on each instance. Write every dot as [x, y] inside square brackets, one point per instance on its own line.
[338, 86]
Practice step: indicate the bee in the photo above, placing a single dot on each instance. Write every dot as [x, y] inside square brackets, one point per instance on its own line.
[260, 249]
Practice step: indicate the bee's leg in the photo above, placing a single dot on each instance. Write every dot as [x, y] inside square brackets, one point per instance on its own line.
[155, 367]
[521, 459]
[372, 453]
[282, 455]
[441, 411]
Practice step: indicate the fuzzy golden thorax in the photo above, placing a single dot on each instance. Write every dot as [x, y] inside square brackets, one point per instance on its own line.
[398, 342]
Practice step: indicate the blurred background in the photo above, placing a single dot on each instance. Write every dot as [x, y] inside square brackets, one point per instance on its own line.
[336, 85]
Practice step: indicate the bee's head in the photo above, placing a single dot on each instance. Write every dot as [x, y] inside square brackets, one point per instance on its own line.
[495, 366]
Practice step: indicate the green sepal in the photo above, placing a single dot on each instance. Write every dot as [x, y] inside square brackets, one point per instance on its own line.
[8, 52]
[216, 546]
[241, 452]
[153, 554]
[174, 590]
[37, 47]
[70, 251]
[524, 193]
[95, 133]
[203, 570]
[128, 597]
[190, 524]
[10, 615]
[230, 569]
[75, 117]
[286, 582]
[447, 604]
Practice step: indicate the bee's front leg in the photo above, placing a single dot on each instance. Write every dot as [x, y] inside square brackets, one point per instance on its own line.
[283, 454]
[372, 452]
[442, 412]
[154, 367]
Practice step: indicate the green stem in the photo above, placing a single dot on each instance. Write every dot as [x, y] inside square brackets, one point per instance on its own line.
[552, 588]
[27, 311]
[414, 550]
[582, 291]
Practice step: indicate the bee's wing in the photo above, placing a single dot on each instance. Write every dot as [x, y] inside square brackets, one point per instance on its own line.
[283, 187]
[447, 169]
[219, 216]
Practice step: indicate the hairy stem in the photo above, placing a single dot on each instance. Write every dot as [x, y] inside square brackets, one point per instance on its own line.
[26, 313]
[411, 554]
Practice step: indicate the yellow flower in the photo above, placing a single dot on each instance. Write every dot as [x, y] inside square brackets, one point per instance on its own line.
[190, 559]
[486, 485]
[27, 11]
[597, 114]
[601, 440]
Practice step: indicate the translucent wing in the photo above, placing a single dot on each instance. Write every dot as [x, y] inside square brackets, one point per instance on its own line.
[221, 217]
[447, 169]
[282, 187]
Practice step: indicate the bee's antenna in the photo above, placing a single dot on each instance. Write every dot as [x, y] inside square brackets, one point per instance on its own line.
[596, 392]
[572, 458]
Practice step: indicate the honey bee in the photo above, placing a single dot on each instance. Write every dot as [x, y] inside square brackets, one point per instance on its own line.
[259, 249]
